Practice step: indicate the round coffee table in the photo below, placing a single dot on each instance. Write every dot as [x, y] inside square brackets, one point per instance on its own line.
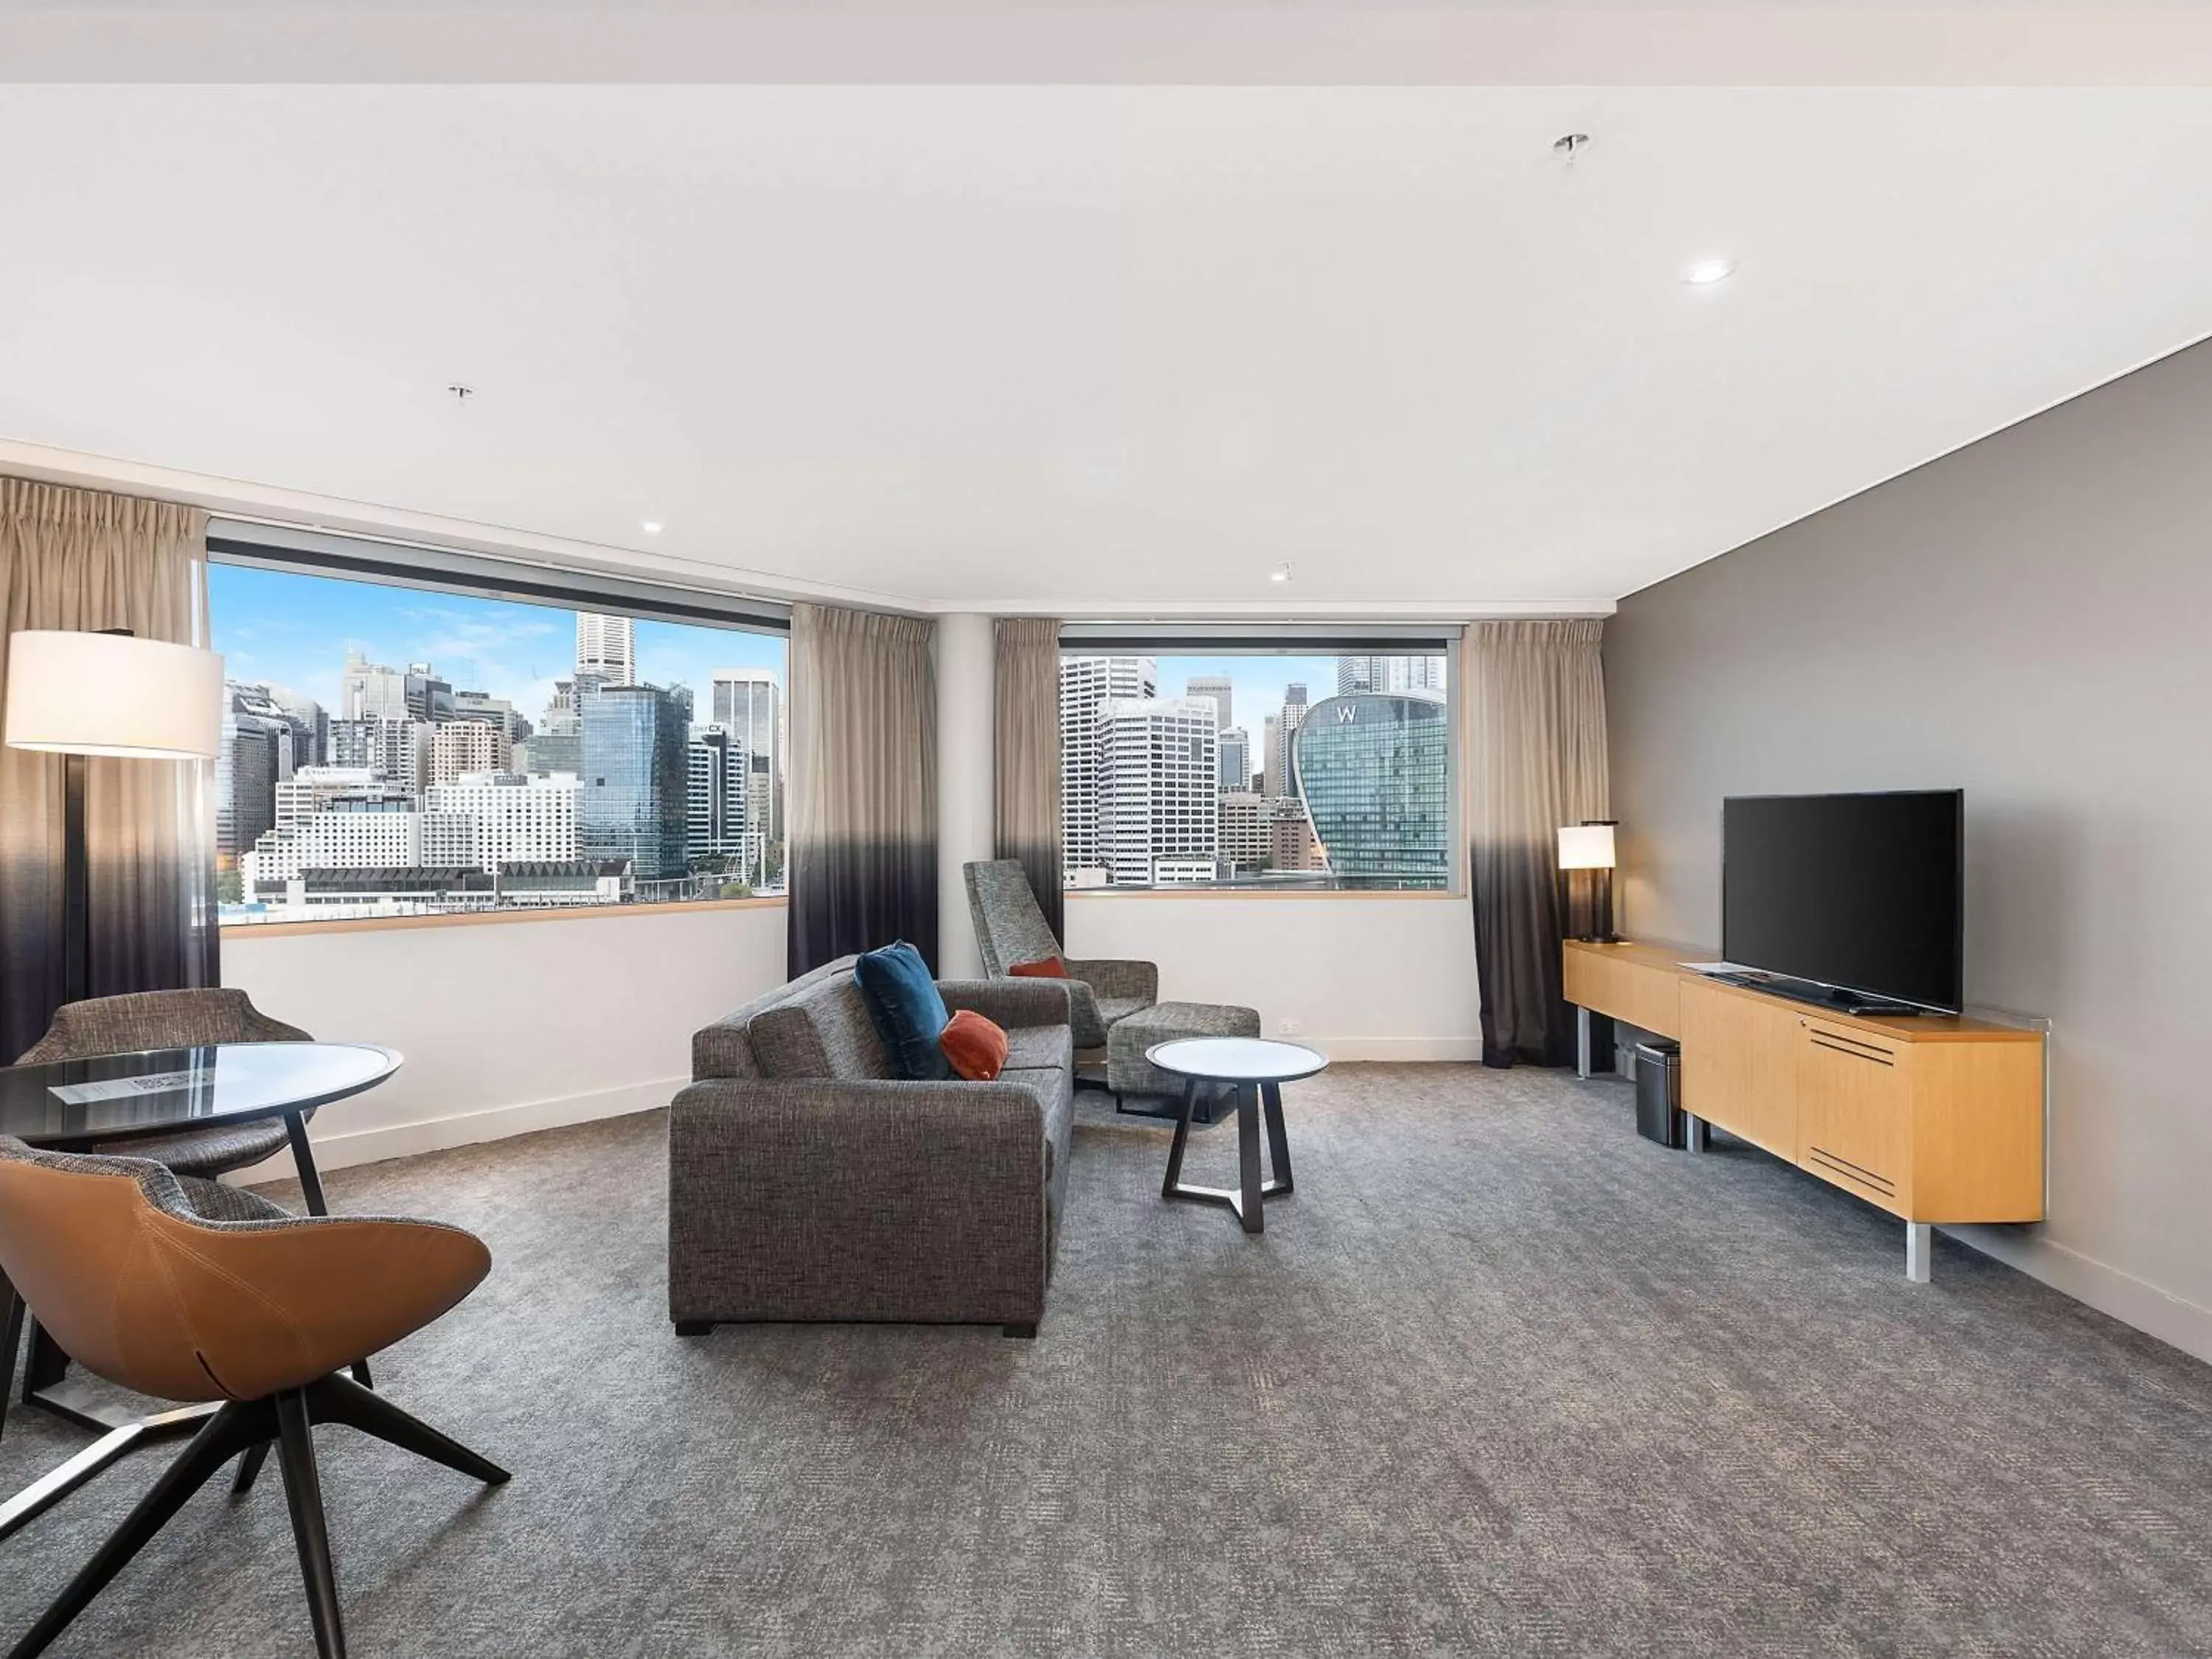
[1255, 1069]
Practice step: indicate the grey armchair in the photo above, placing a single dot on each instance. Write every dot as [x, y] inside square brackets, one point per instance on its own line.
[1011, 928]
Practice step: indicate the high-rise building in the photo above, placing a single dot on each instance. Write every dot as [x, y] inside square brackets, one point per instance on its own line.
[1271, 746]
[1158, 790]
[397, 749]
[748, 704]
[606, 647]
[1247, 837]
[428, 698]
[1373, 771]
[311, 789]
[372, 829]
[495, 819]
[491, 711]
[716, 824]
[1222, 690]
[1286, 732]
[1235, 749]
[368, 690]
[459, 746]
[1086, 684]
[1392, 673]
[310, 726]
[256, 755]
[634, 780]
[1290, 842]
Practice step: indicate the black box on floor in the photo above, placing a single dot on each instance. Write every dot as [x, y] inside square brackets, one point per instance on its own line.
[1659, 1091]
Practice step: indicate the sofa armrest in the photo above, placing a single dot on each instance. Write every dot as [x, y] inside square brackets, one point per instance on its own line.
[1008, 1002]
[1112, 978]
[813, 1199]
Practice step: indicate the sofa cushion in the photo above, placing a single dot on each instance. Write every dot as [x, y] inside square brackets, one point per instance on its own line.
[974, 1047]
[826, 1031]
[909, 1015]
[1040, 1046]
[724, 1049]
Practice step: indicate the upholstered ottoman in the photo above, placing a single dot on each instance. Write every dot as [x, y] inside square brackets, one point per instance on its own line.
[1128, 1071]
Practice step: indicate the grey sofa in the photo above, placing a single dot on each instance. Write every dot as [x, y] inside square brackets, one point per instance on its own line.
[1010, 928]
[806, 1183]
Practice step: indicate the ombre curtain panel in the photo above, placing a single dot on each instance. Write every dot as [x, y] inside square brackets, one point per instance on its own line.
[1026, 756]
[82, 559]
[1536, 694]
[862, 785]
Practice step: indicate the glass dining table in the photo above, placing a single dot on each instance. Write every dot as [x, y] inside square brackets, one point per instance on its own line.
[78, 1106]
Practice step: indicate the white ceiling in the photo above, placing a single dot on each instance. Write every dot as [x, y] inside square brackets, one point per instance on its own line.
[1089, 350]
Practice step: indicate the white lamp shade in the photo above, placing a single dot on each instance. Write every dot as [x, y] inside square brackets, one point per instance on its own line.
[111, 693]
[1586, 847]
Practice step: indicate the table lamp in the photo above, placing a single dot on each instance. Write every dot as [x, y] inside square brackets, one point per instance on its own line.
[108, 693]
[1589, 846]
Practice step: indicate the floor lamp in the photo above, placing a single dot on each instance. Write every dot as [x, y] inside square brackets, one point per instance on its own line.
[110, 693]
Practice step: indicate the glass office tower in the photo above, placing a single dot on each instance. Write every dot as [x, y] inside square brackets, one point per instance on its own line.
[1374, 770]
[633, 775]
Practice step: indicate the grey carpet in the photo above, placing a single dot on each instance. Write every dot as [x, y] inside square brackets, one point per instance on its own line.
[1499, 1379]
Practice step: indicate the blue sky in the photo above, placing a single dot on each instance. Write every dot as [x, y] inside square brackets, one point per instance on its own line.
[294, 631]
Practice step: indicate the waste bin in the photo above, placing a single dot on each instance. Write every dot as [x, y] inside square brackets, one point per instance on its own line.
[1659, 1091]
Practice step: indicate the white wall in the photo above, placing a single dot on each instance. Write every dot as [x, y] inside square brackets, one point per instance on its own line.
[967, 664]
[2025, 619]
[1365, 976]
[507, 1026]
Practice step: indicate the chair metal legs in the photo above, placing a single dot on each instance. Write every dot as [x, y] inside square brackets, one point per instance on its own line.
[339, 1399]
[248, 1427]
[303, 1491]
[226, 1434]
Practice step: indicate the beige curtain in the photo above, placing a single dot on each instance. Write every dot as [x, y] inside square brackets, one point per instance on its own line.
[862, 783]
[81, 559]
[1535, 696]
[1026, 749]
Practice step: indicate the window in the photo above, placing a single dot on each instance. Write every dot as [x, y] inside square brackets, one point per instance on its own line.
[395, 750]
[1284, 766]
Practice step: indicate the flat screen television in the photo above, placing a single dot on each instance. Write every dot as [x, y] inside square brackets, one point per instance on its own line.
[1860, 894]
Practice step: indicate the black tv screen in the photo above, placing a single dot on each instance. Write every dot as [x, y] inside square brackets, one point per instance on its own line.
[1864, 892]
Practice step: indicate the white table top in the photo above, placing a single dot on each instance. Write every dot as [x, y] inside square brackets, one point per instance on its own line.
[1237, 1060]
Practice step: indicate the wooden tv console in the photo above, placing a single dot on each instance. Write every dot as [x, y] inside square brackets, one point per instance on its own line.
[1934, 1118]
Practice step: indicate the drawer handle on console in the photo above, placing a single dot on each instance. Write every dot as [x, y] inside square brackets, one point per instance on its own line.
[1879, 1057]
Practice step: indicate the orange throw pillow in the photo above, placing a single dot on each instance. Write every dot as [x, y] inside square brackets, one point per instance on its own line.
[976, 1048]
[1045, 967]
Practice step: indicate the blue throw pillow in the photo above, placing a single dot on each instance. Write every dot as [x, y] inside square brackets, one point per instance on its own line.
[908, 1014]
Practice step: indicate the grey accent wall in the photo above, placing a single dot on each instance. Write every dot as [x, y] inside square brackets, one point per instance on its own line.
[2029, 618]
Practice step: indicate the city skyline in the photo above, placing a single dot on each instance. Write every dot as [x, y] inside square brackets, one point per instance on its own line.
[388, 751]
[291, 632]
[1148, 799]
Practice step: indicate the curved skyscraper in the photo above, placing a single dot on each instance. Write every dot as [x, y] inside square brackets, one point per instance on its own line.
[1373, 768]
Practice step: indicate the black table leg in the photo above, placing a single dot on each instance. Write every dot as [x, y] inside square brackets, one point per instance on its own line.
[1182, 1135]
[1279, 1140]
[1251, 1212]
[303, 1159]
[310, 1189]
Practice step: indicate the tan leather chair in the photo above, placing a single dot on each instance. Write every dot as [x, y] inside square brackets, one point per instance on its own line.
[190, 1291]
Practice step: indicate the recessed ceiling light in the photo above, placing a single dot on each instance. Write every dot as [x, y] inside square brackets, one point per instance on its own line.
[651, 526]
[1281, 573]
[1706, 272]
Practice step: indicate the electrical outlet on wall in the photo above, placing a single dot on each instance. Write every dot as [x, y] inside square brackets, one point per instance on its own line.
[1286, 1027]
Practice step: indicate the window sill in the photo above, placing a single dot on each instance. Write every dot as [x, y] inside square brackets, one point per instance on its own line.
[246, 930]
[1301, 895]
